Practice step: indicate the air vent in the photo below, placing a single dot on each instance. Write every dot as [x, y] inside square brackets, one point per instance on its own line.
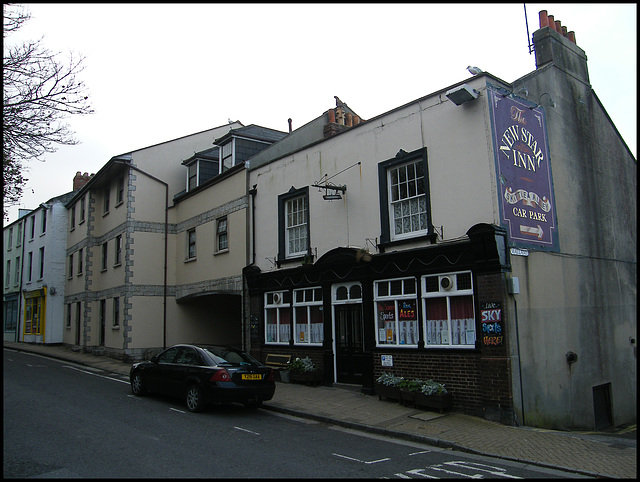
[446, 283]
[277, 298]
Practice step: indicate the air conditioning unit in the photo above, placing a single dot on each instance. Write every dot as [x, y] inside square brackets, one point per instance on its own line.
[277, 298]
[447, 283]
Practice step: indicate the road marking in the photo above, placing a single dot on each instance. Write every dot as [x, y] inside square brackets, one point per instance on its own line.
[245, 430]
[421, 452]
[176, 410]
[497, 471]
[361, 461]
[96, 374]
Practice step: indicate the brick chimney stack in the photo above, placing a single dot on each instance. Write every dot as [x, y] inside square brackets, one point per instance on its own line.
[80, 180]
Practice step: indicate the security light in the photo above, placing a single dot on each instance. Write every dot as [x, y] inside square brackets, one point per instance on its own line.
[461, 94]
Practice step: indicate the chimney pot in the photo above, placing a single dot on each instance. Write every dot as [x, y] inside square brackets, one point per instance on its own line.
[572, 36]
[559, 26]
[332, 116]
[552, 23]
[349, 119]
[290, 125]
[544, 20]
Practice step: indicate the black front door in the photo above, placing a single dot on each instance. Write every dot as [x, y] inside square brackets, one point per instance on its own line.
[349, 343]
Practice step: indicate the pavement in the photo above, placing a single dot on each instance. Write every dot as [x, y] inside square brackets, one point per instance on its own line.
[611, 454]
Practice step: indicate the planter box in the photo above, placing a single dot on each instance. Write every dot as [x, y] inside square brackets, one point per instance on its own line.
[439, 402]
[308, 378]
[391, 393]
[407, 398]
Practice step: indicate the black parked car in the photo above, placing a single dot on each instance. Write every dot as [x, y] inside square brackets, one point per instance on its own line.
[203, 375]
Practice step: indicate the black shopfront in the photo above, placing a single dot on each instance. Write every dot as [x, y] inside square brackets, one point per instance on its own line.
[352, 312]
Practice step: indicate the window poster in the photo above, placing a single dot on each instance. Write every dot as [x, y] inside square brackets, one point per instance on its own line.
[492, 324]
[523, 166]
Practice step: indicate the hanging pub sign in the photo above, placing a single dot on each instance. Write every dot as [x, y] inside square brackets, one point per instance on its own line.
[527, 203]
[492, 324]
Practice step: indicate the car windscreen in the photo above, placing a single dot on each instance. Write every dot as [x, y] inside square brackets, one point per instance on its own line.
[225, 356]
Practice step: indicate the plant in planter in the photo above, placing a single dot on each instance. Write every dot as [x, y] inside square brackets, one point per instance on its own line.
[305, 371]
[387, 385]
[408, 390]
[433, 395]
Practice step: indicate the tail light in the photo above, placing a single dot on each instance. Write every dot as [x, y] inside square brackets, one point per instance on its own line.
[221, 375]
[272, 377]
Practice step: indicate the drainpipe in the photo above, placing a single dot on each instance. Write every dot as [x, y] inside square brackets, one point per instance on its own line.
[19, 316]
[166, 235]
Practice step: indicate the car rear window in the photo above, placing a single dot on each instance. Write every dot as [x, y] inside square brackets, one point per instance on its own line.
[224, 356]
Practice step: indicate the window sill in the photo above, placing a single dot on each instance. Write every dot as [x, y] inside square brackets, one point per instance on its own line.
[399, 242]
[222, 251]
[190, 260]
[115, 327]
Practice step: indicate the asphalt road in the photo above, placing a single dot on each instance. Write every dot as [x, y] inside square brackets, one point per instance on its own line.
[63, 420]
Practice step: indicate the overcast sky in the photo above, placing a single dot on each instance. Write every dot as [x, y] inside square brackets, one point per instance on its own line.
[156, 72]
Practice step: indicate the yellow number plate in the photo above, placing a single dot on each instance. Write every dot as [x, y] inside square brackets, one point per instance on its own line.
[251, 376]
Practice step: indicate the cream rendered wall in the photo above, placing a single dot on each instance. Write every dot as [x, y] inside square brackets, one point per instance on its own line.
[200, 211]
[461, 170]
[164, 160]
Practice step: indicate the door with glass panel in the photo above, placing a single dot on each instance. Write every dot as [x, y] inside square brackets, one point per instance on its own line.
[349, 334]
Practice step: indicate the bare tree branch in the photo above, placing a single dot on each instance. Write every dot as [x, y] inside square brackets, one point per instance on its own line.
[39, 93]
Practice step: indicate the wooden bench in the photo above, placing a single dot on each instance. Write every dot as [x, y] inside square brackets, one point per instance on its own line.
[277, 361]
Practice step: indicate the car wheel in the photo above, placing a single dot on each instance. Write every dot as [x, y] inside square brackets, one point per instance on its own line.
[194, 400]
[137, 385]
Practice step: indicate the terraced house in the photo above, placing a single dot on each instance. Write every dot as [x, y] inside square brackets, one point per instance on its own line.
[483, 236]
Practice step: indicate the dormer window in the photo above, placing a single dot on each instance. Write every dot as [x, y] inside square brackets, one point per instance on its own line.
[202, 167]
[227, 156]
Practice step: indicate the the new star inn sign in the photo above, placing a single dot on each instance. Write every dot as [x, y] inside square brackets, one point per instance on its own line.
[527, 202]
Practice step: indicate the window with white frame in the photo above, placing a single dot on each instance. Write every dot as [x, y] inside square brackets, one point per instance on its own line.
[407, 200]
[404, 196]
[226, 161]
[307, 316]
[191, 244]
[293, 224]
[448, 310]
[296, 230]
[222, 240]
[396, 305]
[277, 316]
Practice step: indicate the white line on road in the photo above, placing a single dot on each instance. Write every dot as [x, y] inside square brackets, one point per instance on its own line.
[245, 430]
[96, 375]
[361, 461]
[176, 410]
